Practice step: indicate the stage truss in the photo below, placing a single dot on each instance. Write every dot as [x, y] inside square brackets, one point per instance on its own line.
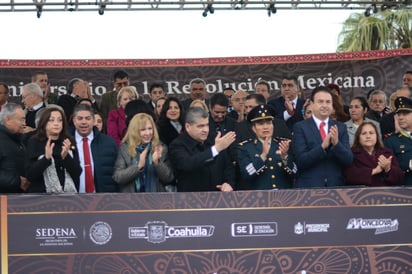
[208, 6]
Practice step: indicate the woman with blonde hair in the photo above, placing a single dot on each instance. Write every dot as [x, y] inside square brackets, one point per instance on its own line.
[141, 164]
[116, 119]
[199, 103]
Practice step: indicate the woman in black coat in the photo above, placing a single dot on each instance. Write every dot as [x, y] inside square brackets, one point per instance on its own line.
[52, 163]
[171, 121]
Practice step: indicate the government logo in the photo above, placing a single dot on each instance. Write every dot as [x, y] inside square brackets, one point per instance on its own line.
[100, 233]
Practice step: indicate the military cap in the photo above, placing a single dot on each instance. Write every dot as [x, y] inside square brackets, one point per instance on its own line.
[261, 112]
[403, 104]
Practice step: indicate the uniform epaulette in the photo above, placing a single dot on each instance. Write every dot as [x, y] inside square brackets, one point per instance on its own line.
[245, 141]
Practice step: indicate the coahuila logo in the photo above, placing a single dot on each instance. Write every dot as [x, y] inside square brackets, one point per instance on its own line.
[381, 225]
[56, 236]
[310, 228]
[159, 231]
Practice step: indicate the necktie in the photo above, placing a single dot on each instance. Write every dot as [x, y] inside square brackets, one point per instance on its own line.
[88, 167]
[322, 130]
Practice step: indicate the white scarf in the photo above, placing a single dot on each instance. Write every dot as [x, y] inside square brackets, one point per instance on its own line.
[52, 183]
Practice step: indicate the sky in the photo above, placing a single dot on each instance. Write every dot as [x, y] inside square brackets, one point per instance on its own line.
[168, 34]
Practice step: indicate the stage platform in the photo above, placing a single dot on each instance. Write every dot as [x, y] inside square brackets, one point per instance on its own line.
[350, 230]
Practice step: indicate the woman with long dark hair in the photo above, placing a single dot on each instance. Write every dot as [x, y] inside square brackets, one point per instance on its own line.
[170, 123]
[52, 162]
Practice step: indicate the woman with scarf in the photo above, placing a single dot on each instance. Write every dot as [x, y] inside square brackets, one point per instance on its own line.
[141, 164]
[52, 162]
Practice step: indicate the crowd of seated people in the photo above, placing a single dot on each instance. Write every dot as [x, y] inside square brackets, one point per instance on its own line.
[231, 140]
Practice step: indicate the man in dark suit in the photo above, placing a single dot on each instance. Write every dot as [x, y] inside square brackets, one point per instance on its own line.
[156, 91]
[197, 92]
[199, 164]
[321, 145]
[32, 99]
[289, 106]
[219, 121]
[101, 148]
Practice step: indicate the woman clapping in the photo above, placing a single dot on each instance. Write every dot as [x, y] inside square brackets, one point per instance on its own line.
[52, 163]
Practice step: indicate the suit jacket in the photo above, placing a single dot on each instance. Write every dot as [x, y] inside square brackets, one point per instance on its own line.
[167, 132]
[104, 152]
[279, 105]
[359, 173]
[224, 127]
[318, 167]
[31, 116]
[67, 102]
[374, 115]
[12, 157]
[108, 102]
[195, 167]
[387, 124]
[352, 129]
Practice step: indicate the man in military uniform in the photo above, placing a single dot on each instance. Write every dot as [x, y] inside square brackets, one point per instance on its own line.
[401, 142]
[265, 161]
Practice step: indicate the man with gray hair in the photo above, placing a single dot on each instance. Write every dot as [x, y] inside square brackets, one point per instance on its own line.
[199, 164]
[12, 152]
[197, 92]
[32, 98]
[378, 105]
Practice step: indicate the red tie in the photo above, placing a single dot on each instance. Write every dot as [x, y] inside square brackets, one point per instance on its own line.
[88, 167]
[322, 130]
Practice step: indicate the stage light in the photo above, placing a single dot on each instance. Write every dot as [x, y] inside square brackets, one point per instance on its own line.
[370, 8]
[102, 7]
[39, 7]
[271, 9]
[209, 8]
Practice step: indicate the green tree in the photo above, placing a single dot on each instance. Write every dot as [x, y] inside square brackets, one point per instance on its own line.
[389, 29]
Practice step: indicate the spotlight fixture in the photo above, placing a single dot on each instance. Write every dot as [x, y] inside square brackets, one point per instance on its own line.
[39, 11]
[102, 7]
[389, 5]
[209, 8]
[271, 9]
[39, 7]
[370, 8]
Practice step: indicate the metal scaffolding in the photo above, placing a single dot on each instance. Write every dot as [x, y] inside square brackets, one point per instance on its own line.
[133, 5]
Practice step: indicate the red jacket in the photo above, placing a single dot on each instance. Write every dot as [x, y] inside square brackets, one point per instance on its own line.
[116, 125]
[360, 172]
